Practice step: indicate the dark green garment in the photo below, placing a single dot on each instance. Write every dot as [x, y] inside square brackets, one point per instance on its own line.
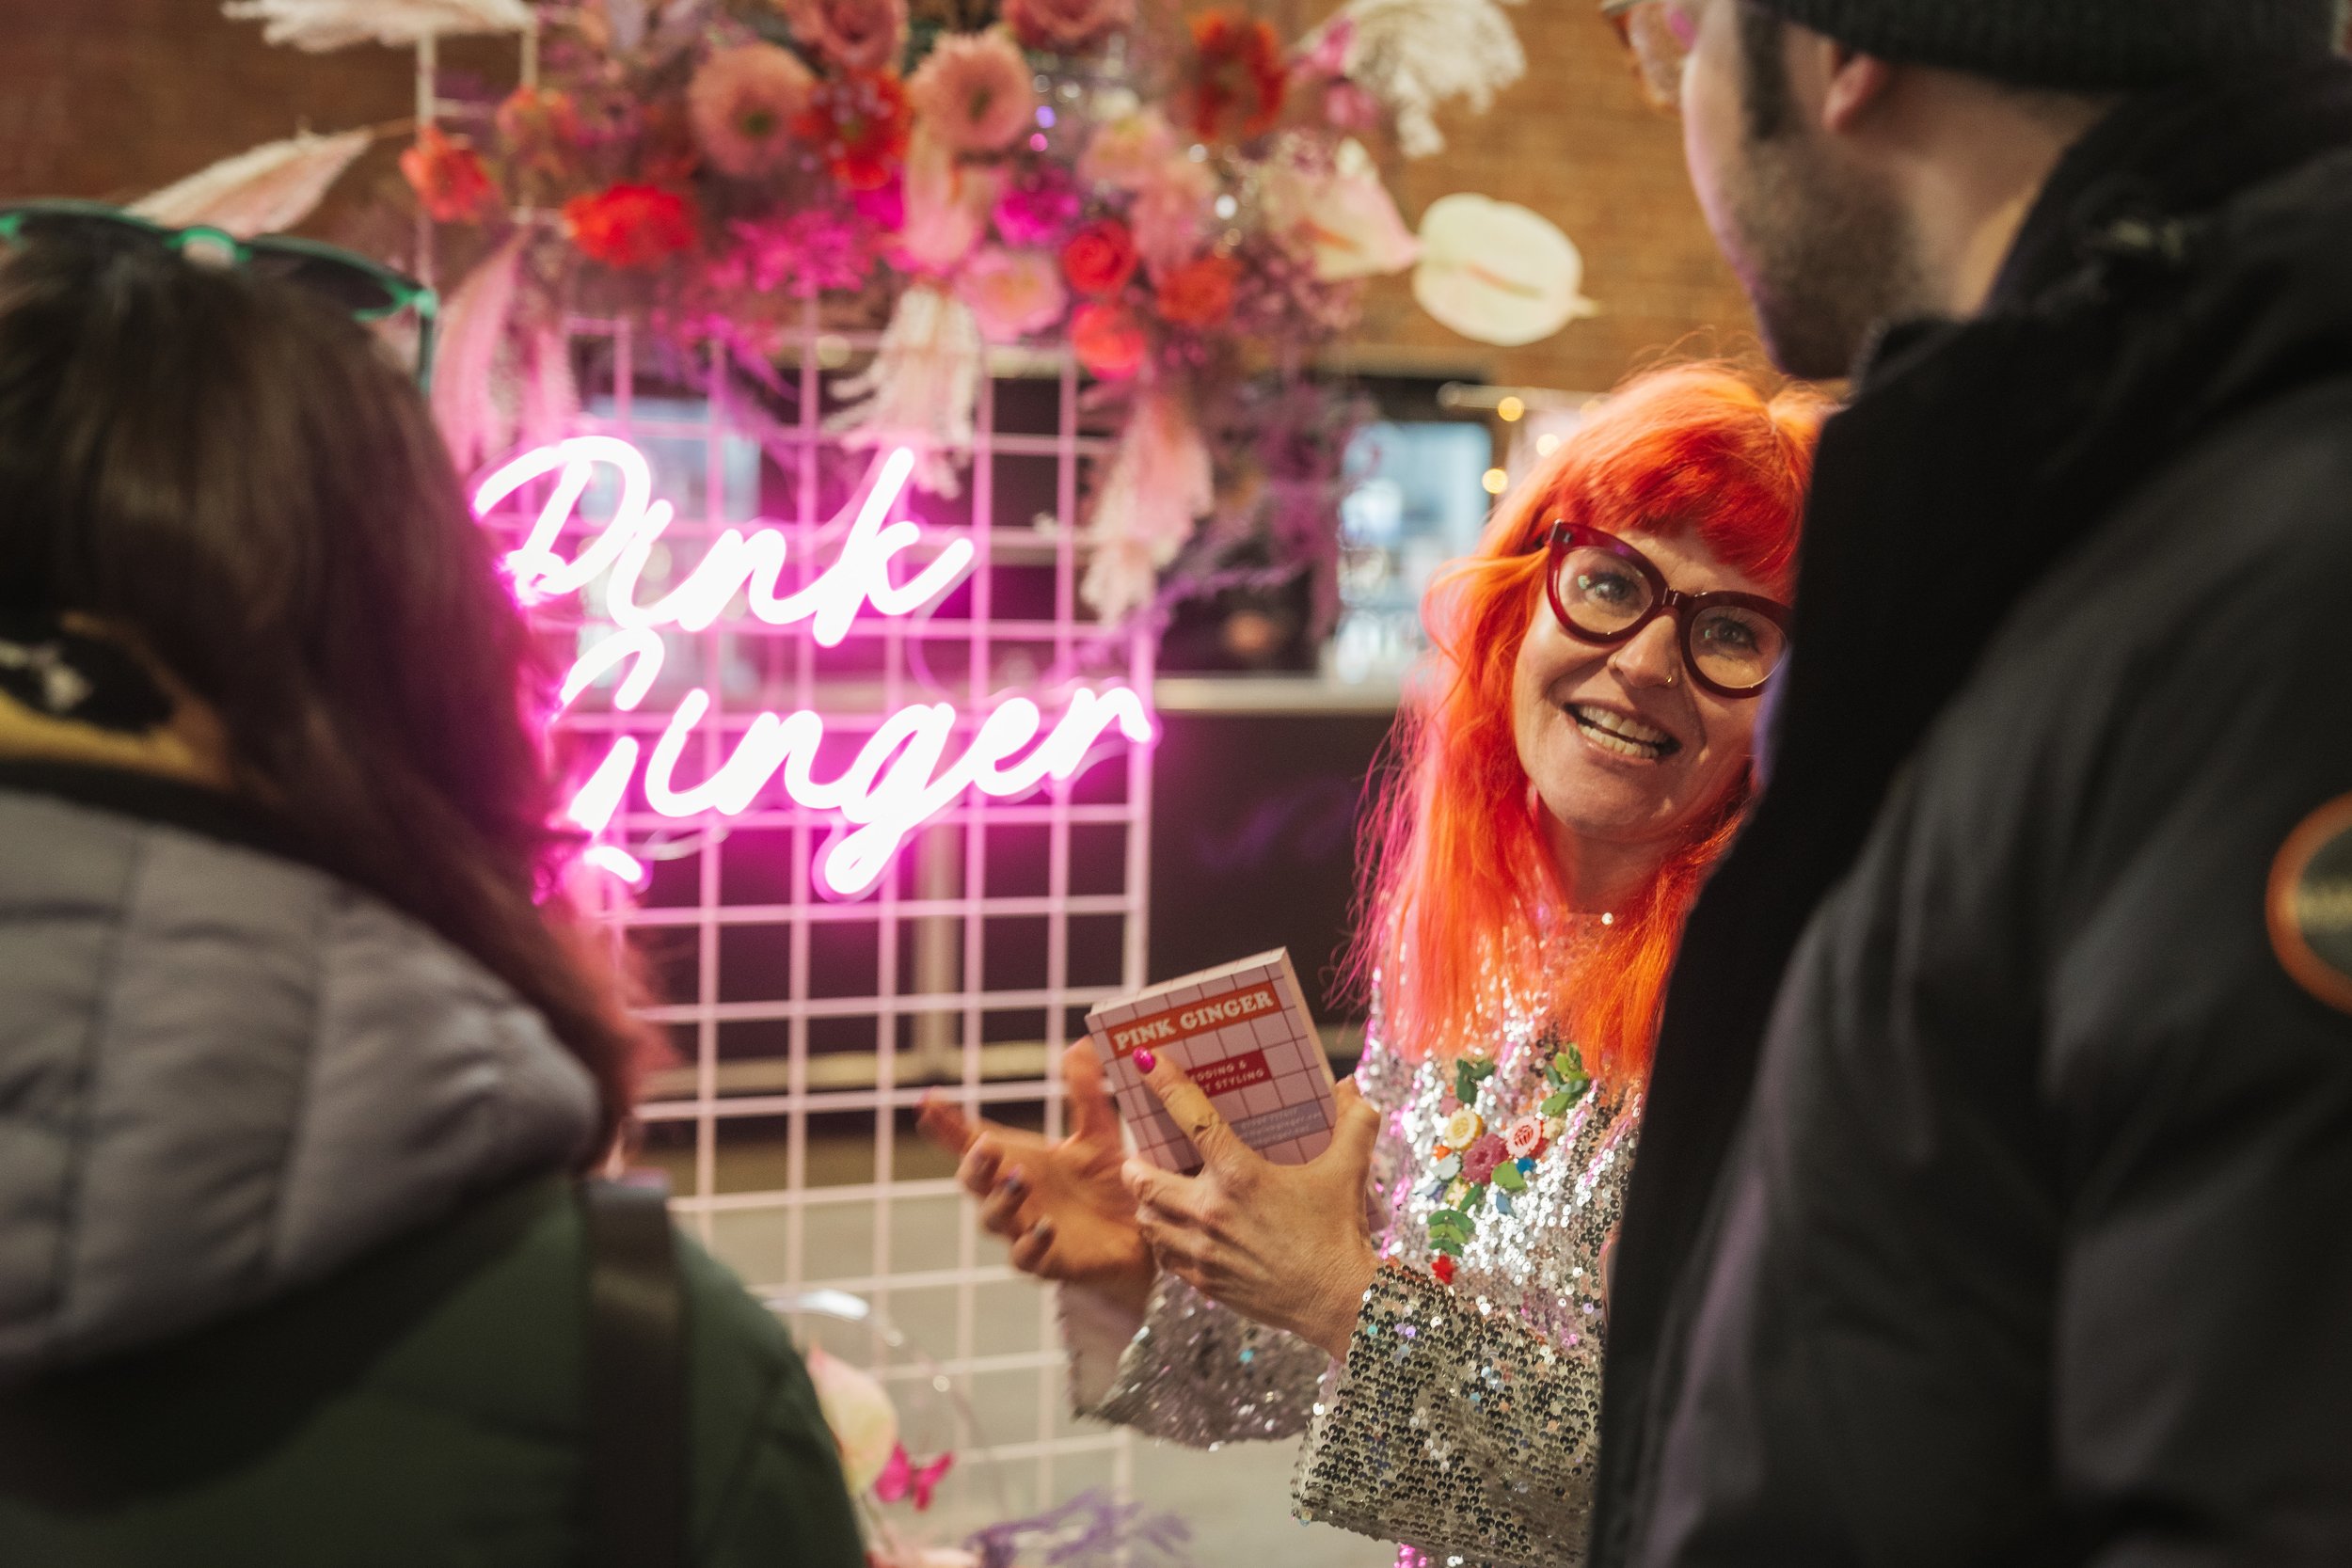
[422, 1408]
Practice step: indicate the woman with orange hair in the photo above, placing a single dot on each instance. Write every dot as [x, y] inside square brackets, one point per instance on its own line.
[1567, 781]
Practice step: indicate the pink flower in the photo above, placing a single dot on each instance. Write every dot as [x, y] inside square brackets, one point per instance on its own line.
[972, 92]
[815, 250]
[1526, 1138]
[1130, 150]
[1038, 208]
[742, 103]
[858, 35]
[1480, 1160]
[1013, 293]
[1067, 27]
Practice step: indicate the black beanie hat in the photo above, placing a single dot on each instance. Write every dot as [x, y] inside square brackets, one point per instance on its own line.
[2087, 45]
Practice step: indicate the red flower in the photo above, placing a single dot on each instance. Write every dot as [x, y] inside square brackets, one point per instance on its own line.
[635, 227]
[1443, 1268]
[858, 120]
[1107, 340]
[1099, 258]
[1480, 1160]
[448, 177]
[1238, 76]
[1199, 294]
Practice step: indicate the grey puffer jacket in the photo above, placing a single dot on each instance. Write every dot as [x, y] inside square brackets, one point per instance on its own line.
[293, 1274]
[224, 1073]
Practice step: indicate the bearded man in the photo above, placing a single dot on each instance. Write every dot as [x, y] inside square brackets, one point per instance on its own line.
[1994, 1203]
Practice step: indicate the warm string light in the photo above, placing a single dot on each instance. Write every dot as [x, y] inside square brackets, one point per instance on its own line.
[902, 776]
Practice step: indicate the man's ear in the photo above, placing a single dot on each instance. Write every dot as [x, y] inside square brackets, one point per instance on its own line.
[1851, 86]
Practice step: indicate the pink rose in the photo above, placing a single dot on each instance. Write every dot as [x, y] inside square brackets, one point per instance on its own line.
[1526, 1137]
[1013, 293]
[1067, 27]
[1480, 1160]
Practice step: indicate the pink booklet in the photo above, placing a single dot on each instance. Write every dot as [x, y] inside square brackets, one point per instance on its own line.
[1243, 1032]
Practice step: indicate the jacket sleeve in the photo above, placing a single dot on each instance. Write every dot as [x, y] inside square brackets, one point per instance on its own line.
[1455, 1427]
[2202, 1353]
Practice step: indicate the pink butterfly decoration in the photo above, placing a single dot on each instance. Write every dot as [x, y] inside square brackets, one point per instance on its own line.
[901, 1476]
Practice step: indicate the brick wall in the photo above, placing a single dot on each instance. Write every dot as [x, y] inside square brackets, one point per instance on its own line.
[113, 98]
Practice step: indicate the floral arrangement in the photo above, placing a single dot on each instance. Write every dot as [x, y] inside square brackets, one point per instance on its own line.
[1473, 1162]
[1192, 206]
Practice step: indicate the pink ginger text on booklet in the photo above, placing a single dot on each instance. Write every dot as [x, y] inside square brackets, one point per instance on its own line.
[1241, 1031]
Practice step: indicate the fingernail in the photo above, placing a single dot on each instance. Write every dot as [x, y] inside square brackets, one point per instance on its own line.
[1145, 1061]
[1016, 1183]
[1042, 1230]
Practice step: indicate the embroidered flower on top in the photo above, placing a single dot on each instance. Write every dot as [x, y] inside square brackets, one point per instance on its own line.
[1470, 1165]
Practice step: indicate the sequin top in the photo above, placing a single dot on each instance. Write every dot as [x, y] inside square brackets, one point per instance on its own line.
[1462, 1422]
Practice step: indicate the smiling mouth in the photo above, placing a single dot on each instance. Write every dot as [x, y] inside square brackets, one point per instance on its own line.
[1621, 734]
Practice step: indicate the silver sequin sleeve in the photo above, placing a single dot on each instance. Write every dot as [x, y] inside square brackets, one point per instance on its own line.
[1457, 1429]
[1195, 1372]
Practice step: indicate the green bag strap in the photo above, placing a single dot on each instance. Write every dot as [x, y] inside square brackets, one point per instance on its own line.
[637, 1444]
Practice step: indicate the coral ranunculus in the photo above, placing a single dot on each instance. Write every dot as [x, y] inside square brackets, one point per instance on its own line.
[855, 35]
[974, 92]
[1199, 294]
[1109, 341]
[540, 129]
[742, 104]
[1067, 27]
[1238, 76]
[858, 120]
[632, 227]
[448, 177]
[1099, 258]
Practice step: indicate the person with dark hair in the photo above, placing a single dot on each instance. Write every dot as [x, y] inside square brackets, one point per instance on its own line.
[2001, 1126]
[301, 1048]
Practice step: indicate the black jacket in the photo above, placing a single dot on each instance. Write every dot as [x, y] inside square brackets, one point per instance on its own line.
[1995, 1202]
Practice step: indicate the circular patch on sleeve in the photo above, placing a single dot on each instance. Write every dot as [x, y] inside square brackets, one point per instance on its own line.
[2311, 904]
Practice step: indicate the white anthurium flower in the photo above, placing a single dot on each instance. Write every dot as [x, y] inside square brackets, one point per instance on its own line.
[865, 1423]
[1497, 273]
[1341, 216]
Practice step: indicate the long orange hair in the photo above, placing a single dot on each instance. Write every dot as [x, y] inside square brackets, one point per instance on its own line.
[1459, 888]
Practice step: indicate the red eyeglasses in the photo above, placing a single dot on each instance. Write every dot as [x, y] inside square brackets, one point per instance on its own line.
[1604, 591]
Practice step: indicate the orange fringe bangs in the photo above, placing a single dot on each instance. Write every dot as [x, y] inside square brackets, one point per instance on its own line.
[1458, 890]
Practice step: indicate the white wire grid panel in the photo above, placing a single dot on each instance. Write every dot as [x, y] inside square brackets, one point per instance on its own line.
[808, 1028]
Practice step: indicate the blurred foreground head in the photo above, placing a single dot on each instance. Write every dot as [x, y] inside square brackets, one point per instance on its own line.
[236, 481]
[1864, 161]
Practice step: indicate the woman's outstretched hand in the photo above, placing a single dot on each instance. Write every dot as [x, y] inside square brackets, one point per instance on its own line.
[1061, 1205]
[1282, 1244]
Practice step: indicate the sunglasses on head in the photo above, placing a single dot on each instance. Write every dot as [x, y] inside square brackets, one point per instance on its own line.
[366, 289]
[1660, 35]
[1603, 591]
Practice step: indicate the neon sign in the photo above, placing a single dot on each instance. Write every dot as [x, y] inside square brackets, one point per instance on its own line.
[901, 778]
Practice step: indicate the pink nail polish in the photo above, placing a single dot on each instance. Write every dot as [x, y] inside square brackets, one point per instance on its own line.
[1145, 1061]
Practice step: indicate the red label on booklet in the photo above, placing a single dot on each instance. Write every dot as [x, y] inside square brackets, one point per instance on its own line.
[1242, 1034]
[1200, 1018]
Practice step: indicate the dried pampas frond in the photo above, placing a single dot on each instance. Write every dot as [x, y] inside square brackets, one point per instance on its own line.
[921, 389]
[1414, 55]
[318, 26]
[1159, 486]
[263, 190]
[474, 421]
